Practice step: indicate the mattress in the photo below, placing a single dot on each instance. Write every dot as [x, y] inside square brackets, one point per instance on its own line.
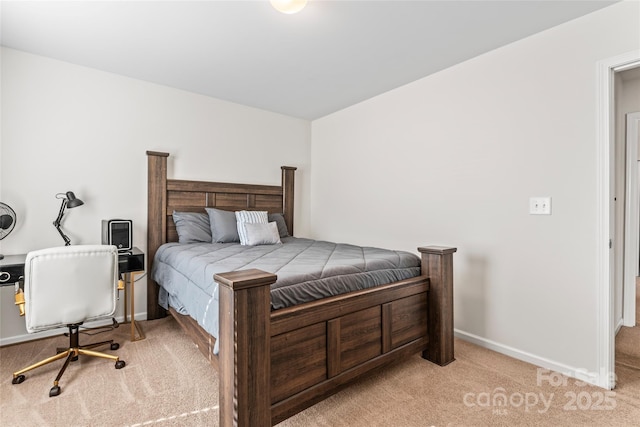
[307, 270]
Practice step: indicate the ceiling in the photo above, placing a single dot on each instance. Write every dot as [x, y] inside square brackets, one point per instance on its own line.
[331, 55]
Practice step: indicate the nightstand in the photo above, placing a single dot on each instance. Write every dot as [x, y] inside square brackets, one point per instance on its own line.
[131, 263]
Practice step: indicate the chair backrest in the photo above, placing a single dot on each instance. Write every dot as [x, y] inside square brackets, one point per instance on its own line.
[70, 284]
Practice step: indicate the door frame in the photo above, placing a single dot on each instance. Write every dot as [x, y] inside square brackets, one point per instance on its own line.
[631, 221]
[605, 141]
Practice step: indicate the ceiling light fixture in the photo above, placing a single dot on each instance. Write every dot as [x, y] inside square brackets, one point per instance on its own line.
[289, 6]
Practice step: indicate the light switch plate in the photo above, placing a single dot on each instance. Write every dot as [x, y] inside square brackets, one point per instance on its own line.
[540, 205]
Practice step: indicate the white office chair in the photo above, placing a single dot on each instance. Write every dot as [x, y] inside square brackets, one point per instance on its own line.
[66, 286]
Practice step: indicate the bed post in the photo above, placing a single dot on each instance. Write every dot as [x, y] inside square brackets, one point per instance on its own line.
[245, 347]
[437, 264]
[288, 179]
[156, 222]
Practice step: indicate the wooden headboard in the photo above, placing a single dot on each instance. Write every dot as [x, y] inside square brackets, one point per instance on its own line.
[166, 195]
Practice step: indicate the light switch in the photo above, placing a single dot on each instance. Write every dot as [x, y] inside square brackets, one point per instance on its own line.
[540, 205]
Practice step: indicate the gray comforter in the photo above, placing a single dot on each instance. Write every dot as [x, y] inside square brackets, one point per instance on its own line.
[307, 270]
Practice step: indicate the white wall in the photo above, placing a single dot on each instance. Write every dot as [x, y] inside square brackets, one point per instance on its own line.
[453, 158]
[66, 127]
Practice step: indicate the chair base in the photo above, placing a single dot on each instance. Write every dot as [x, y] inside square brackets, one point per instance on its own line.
[70, 354]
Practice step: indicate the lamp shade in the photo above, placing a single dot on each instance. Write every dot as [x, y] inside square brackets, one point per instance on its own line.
[72, 201]
[289, 6]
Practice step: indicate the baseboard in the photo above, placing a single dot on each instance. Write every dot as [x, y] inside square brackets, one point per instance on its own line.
[578, 373]
[59, 331]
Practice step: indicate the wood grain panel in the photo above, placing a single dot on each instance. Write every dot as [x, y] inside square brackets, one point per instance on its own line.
[360, 337]
[245, 368]
[211, 199]
[387, 318]
[437, 264]
[185, 201]
[408, 319]
[272, 204]
[203, 340]
[156, 222]
[231, 202]
[298, 316]
[172, 233]
[333, 347]
[298, 360]
[221, 187]
[288, 407]
[288, 193]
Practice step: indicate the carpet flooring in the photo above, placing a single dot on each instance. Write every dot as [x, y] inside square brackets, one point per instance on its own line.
[167, 382]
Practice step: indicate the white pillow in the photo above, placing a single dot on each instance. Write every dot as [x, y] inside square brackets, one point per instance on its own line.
[262, 234]
[251, 217]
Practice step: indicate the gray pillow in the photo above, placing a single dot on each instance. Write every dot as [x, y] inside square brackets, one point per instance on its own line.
[261, 233]
[223, 226]
[192, 227]
[278, 218]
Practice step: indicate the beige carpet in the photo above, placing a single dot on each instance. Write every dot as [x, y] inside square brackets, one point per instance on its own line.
[167, 382]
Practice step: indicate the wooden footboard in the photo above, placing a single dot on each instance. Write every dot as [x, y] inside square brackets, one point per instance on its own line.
[272, 369]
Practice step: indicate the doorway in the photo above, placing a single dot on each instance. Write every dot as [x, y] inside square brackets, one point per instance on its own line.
[606, 221]
[626, 309]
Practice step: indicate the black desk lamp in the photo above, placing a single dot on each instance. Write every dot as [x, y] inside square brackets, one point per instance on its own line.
[69, 200]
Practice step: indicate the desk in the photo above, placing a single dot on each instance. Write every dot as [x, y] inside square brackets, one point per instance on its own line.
[130, 263]
[11, 269]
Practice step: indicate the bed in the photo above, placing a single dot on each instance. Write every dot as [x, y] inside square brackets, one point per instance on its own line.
[274, 362]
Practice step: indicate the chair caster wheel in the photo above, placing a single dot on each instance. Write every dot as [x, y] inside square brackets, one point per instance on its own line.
[115, 346]
[55, 390]
[18, 380]
[120, 364]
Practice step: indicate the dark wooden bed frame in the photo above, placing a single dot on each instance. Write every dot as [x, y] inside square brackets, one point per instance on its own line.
[274, 364]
